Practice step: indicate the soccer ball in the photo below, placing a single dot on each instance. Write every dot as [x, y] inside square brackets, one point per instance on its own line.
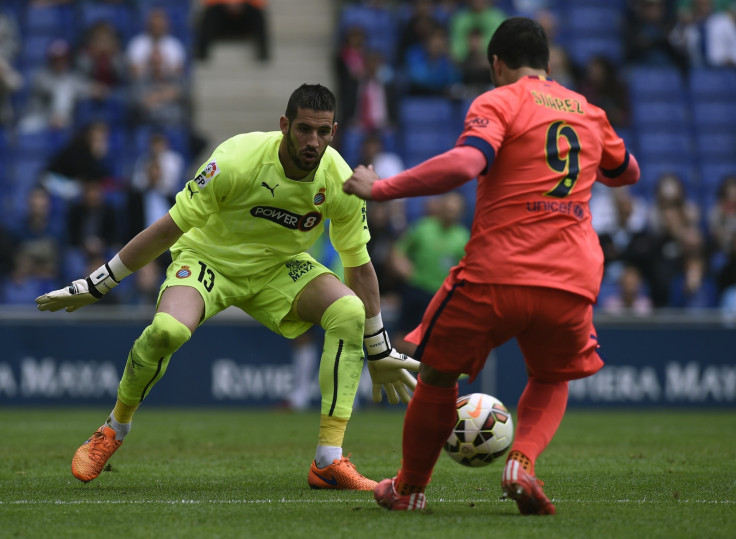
[483, 432]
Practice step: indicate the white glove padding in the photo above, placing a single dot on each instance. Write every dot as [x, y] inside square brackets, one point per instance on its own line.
[392, 373]
[79, 293]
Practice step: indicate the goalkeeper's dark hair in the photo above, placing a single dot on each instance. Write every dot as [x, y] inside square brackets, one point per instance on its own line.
[520, 42]
[310, 96]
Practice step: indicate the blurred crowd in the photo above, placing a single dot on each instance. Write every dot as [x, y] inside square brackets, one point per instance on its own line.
[96, 136]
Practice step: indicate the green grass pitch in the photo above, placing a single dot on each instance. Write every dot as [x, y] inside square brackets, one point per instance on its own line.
[242, 473]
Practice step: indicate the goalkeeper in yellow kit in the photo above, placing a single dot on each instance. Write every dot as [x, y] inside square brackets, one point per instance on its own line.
[238, 235]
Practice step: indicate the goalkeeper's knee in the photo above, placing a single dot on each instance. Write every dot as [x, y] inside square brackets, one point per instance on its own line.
[149, 357]
[344, 319]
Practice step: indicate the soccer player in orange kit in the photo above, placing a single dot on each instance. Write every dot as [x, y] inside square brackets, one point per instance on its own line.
[533, 264]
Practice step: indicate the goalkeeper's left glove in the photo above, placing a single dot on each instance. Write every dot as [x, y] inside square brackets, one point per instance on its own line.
[388, 368]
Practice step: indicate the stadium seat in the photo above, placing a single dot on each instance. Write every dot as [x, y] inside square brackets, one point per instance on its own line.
[420, 112]
[120, 15]
[583, 48]
[655, 113]
[594, 20]
[715, 115]
[711, 83]
[655, 83]
[716, 145]
[49, 20]
[379, 24]
[665, 144]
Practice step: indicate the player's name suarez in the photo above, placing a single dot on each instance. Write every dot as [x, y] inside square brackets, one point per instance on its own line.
[555, 103]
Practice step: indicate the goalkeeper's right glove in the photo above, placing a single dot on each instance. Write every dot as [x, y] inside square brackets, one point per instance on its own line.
[85, 291]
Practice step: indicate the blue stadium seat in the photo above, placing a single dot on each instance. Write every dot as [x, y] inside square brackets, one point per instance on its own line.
[654, 83]
[715, 115]
[422, 144]
[711, 83]
[677, 146]
[120, 15]
[49, 20]
[33, 54]
[379, 24]
[583, 48]
[418, 112]
[595, 20]
[656, 113]
[716, 145]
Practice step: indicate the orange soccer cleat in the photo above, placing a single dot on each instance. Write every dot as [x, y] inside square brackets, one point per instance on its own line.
[526, 490]
[341, 474]
[386, 496]
[93, 454]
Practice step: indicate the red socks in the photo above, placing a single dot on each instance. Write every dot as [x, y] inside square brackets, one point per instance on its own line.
[430, 417]
[539, 414]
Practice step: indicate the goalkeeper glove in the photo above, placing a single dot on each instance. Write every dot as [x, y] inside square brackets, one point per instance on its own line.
[85, 291]
[388, 368]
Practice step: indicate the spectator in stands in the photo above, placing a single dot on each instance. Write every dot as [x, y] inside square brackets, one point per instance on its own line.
[721, 221]
[418, 25]
[646, 36]
[623, 236]
[148, 197]
[350, 67]
[692, 287]
[101, 58]
[55, 90]
[228, 19]
[476, 14]
[39, 234]
[376, 95]
[669, 194]
[423, 257]
[430, 68]
[603, 87]
[476, 77]
[85, 158]
[630, 297]
[156, 37]
[726, 278]
[10, 79]
[30, 276]
[706, 36]
[373, 152]
[92, 228]
[170, 163]
[158, 94]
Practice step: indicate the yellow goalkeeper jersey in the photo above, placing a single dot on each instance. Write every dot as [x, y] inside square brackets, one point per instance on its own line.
[242, 214]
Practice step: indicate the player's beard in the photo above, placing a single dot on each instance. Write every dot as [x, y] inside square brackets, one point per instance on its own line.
[296, 158]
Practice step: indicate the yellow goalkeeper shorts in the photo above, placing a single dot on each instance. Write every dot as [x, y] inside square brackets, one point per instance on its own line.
[267, 296]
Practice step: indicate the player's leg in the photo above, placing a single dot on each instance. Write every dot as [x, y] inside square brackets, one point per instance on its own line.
[452, 341]
[293, 298]
[181, 308]
[558, 345]
[146, 364]
[328, 302]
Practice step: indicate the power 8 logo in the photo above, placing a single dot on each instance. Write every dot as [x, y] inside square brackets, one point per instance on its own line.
[288, 219]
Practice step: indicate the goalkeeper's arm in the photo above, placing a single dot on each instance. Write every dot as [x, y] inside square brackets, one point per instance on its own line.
[142, 249]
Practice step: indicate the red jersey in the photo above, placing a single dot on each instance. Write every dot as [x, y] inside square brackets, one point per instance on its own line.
[532, 223]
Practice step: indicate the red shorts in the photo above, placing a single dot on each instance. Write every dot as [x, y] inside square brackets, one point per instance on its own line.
[465, 321]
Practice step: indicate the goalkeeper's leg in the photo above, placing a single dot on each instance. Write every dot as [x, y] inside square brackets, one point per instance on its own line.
[340, 368]
[147, 362]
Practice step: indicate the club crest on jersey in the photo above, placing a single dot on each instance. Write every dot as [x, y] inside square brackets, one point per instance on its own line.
[288, 219]
[183, 273]
[210, 171]
[319, 198]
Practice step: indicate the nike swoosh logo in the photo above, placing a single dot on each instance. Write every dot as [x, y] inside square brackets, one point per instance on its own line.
[332, 481]
[475, 413]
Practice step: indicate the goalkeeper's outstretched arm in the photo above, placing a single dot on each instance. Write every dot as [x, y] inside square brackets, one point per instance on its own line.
[142, 249]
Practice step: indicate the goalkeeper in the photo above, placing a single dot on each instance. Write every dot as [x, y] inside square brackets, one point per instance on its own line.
[238, 234]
